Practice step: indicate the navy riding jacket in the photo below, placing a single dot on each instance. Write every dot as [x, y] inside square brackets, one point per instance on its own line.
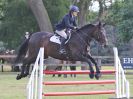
[68, 22]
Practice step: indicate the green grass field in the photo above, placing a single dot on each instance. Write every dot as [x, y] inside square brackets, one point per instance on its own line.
[10, 88]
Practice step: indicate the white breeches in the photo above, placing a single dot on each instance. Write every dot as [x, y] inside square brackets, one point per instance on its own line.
[62, 33]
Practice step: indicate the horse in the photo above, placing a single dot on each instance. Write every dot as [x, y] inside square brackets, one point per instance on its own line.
[76, 48]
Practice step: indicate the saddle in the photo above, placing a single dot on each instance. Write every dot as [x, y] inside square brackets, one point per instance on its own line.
[56, 38]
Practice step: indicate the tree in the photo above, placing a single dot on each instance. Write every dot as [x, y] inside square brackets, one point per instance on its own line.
[121, 15]
[103, 7]
[56, 10]
[16, 19]
[84, 10]
[41, 15]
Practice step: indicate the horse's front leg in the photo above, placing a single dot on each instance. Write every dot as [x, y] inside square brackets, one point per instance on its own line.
[85, 59]
[98, 73]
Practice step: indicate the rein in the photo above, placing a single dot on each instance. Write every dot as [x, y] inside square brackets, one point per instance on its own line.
[82, 40]
[81, 37]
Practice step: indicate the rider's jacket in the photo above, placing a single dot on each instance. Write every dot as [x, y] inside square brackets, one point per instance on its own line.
[68, 22]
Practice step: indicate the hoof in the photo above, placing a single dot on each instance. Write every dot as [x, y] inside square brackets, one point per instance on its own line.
[91, 75]
[18, 77]
[97, 76]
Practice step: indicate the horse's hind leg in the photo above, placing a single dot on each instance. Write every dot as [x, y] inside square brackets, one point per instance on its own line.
[19, 76]
[98, 73]
[25, 68]
[26, 73]
[28, 61]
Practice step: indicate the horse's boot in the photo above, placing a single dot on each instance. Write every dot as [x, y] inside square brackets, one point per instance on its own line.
[62, 49]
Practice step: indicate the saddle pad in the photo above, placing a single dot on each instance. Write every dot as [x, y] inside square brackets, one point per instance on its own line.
[55, 39]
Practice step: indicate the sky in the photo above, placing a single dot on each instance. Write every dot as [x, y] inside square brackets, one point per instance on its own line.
[95, 5]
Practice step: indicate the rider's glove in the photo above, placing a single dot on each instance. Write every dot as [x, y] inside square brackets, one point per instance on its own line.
[75, 28]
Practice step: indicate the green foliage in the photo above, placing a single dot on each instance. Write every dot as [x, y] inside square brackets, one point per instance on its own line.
[56, 9]
[16, 19]
[2, 48]
[121, 15]
[92, 16]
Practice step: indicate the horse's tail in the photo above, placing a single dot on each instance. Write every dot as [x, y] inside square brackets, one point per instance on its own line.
[22, 50]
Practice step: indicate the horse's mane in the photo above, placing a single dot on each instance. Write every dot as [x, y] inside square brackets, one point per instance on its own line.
[86, 26]
[81, 29]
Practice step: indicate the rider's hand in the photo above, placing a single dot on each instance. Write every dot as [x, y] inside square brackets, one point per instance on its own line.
[75, 28]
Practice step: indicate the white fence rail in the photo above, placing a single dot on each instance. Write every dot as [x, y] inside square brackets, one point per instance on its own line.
[122, 84]
[34, 87]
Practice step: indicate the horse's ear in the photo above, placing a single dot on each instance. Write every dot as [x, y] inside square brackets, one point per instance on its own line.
[99, 24]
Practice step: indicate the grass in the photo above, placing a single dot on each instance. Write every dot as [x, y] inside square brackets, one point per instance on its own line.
[10, 88]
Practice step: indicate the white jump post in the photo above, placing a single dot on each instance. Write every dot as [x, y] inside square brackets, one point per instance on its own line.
[34, 87]
[122, 85]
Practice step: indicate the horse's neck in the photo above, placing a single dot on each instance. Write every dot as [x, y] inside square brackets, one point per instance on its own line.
[80, 39]
[85, 34]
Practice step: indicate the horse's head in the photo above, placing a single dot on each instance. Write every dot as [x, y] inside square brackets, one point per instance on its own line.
[95, 31]
[100, 34]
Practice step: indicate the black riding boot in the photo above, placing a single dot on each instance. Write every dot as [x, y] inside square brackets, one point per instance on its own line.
[62, 49]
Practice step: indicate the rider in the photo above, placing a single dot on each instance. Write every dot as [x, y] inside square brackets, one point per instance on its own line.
[68, 22]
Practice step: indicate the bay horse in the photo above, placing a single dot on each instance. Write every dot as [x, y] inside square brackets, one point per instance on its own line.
[76, 48]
